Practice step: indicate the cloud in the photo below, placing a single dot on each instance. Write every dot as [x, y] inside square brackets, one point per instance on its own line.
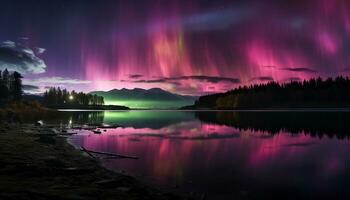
[16, 57]
[55, 80]
[30, 87]
[210, 79]
[299, 69]
[135, 76]
[39, 85]
[23, 38]
[217, 19]
[189, 85]
[293, 79]
[39, 50]
[262, 78]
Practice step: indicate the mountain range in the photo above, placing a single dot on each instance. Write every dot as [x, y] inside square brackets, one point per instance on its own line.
[142, 98]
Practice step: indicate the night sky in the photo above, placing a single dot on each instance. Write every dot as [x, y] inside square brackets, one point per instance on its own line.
[184, 46]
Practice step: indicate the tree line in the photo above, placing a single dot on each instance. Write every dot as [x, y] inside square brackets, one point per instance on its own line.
[309, 93]
[57, 97]
[10, 86]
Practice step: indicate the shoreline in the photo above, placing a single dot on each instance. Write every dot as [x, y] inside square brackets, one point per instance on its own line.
[39, 164]
[222, 110]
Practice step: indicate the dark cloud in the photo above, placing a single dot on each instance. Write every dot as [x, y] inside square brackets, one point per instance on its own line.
[262, 78]
[30, 87]
[217, 20]
[16, 57]
[211, 79]
[151, 81]
[300, 69]
[135, 76]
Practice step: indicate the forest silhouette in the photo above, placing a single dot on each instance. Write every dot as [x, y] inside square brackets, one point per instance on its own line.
[55, 97]
[313, 93]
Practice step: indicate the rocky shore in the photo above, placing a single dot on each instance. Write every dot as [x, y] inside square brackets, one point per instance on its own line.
[37, 163]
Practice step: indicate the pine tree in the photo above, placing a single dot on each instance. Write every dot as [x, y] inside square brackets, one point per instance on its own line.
[16, 88]
[6, 78]
[4, 93]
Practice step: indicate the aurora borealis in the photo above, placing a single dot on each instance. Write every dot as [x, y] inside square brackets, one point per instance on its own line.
[188, 47]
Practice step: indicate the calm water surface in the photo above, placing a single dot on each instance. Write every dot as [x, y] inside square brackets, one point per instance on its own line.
[229, 155]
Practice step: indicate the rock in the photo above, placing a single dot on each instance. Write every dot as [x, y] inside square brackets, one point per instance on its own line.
[54, 130]
[76, 171]
[28, 131]
[123, 189]
[53, 162]
[108, 183]
[39, 123]
[46, 139]
[120, 182]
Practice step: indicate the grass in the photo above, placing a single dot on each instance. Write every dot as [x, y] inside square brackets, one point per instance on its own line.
[23, 111]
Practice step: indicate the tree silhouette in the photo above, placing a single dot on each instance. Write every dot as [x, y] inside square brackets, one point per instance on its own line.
[10, 86]
[55, 97]
[309, 93]
[16, 86]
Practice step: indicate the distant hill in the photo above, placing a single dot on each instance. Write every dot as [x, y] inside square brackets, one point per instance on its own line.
[141, 98]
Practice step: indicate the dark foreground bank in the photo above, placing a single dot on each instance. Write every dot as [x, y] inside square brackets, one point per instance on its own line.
[38, 164]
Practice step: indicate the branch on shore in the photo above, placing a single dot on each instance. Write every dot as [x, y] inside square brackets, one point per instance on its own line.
[107, 154]
[86, 151]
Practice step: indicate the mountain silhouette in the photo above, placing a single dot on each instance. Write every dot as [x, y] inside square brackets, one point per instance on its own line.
[155, 97]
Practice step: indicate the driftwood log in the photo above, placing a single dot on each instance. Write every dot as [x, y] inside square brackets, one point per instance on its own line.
[90, 152]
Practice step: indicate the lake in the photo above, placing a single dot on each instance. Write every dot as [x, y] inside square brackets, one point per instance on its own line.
[228, 155]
